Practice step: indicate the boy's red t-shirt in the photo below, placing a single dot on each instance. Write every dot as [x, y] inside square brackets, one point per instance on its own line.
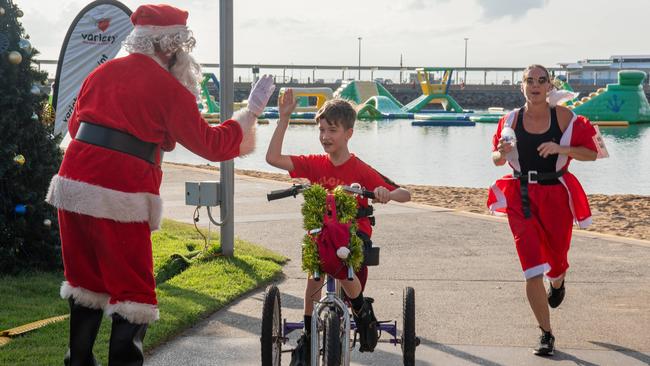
[320, 170]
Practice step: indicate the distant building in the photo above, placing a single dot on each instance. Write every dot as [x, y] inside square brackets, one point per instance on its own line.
[604, 71]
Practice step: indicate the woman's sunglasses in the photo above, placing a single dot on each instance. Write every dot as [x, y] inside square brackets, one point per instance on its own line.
[541, 80]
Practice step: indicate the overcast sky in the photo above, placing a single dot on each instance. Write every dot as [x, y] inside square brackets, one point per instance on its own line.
[425, 32]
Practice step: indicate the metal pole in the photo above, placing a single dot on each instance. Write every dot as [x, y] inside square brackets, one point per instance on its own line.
[359, 38]
[226, 97]
[465, 76]
[400, 68]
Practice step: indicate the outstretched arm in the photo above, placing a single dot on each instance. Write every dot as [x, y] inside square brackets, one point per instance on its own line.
[383, 195]
[577, 152]
[286, 105]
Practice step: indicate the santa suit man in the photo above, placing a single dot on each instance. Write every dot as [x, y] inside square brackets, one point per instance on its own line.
[107, 189]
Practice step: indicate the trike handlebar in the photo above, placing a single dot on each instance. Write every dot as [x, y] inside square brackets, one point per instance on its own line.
[293, 191]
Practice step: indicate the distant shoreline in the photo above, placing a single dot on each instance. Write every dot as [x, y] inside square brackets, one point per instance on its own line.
[625, 215]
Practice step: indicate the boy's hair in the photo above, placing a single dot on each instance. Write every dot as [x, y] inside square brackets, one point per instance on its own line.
[338, 112]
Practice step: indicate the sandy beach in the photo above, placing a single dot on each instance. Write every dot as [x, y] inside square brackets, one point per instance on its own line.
[621, 214]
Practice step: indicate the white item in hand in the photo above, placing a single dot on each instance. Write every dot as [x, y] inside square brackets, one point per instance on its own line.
[508, 135]
[343, 252]
[559, 97]
[260, 94]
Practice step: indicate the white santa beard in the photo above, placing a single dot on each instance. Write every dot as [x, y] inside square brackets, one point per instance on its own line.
[187, 71]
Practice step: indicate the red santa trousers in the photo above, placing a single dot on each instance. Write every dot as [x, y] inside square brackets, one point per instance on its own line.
[542, 240]
[109, 265]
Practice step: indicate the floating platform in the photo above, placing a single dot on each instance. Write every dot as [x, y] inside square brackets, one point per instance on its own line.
[486, 118]
[441, 117]
[299, 115]
[297, 121]
[611, 123]
[444, 123]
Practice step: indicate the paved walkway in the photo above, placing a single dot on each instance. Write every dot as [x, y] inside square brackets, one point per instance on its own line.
[470, 299]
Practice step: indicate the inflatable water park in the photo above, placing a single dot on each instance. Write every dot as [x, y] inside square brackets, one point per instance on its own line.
[618, 104]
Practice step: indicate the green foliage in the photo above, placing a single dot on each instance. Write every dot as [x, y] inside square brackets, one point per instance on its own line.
[313, 210]
[26, 242]
[205, 287]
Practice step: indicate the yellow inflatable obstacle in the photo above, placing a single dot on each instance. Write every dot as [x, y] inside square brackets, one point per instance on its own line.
[321, 95]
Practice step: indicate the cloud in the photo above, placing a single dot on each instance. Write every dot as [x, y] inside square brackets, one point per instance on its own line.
[514, 8]
[421, 4]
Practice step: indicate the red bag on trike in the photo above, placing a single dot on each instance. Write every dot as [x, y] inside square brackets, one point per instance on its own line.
[333, 235]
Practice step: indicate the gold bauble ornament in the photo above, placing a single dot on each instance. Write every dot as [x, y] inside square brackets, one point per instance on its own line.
[19, 159]
[2, 11]
[15, 57]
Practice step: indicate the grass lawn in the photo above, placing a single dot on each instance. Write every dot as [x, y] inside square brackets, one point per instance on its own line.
[204, 287]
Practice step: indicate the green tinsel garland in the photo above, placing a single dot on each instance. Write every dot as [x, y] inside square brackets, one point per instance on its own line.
[313, 210]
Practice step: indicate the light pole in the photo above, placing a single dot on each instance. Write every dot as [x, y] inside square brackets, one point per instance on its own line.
[465, 76]
[359, 38]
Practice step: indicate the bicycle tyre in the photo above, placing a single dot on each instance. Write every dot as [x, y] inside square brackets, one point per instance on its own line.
[271, 338]
[332, 339]
[408, 333]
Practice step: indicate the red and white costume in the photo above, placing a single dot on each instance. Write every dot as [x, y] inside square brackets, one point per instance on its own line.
[543, 240]
[109, 201]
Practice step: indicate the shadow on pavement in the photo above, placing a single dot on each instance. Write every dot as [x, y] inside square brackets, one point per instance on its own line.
[643, 357]
[563, 356]
[457, 353]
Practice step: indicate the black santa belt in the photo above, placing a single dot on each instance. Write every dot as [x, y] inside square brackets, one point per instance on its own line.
[112, 139]
[532, 176]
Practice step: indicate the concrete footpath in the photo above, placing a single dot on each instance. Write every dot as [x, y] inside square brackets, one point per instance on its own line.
[471, 306]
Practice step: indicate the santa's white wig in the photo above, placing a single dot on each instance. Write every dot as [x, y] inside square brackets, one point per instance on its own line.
[175, 41]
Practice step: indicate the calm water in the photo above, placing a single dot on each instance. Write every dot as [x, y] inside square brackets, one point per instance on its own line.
[454, 156]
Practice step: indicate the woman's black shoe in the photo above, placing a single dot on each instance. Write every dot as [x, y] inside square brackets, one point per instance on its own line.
[555, 295]
[546, 344]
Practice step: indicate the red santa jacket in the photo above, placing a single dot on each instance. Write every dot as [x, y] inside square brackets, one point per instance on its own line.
[134, 94]
[579, 132]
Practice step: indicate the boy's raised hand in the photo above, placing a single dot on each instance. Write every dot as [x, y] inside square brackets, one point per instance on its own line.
[286, 105]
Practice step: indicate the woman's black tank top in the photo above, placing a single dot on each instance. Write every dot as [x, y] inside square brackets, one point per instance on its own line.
[527, 144]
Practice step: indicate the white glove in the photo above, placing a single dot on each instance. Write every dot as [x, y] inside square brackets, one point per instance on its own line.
[260, 94]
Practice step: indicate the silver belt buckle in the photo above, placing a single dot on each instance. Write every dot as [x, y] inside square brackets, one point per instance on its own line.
[530, 176]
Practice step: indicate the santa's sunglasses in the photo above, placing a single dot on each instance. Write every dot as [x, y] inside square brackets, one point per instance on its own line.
[540, 80]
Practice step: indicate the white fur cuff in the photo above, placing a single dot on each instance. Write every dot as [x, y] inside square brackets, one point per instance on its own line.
[134, 312]
[247, 121]
[81, 296]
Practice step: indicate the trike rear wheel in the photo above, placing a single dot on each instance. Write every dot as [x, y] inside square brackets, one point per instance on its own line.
[271, 338]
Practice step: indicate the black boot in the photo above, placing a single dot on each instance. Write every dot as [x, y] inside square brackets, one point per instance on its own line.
[84, 324]
[301, 355]
[366, 326]
[125, 348]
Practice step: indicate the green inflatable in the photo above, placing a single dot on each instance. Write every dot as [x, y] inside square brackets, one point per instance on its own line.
[625, 101]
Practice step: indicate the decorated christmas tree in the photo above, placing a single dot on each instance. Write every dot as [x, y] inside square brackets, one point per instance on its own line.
[29, 155]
